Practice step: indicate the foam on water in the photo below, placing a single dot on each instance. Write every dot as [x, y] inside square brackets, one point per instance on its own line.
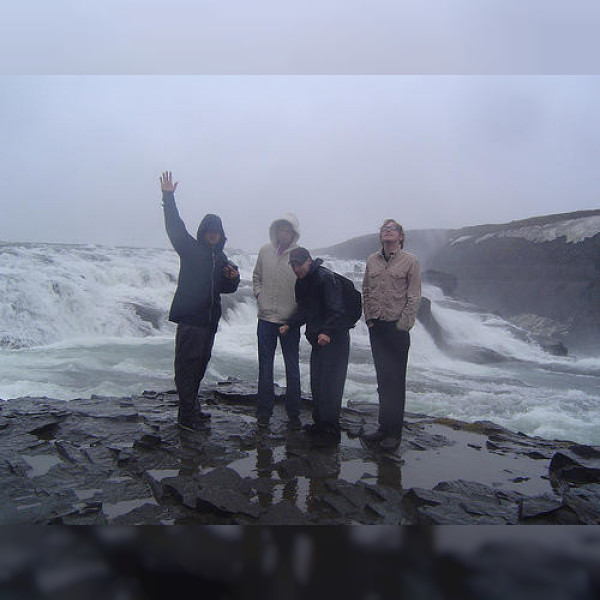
[82, 320]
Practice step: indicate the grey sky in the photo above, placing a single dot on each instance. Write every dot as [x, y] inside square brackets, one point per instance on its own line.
[83, 154]
[250, 135]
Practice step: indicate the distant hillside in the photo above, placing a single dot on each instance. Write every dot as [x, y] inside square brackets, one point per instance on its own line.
[545, 266]
[421, 242]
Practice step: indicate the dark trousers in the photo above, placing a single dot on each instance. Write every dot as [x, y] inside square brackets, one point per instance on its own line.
[193, 348]
[328, 368]
[268, 334]
[389, 347]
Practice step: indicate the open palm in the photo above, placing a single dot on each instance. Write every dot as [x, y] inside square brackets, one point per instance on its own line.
[166, 182]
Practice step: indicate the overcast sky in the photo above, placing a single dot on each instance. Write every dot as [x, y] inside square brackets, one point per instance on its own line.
[344, 115]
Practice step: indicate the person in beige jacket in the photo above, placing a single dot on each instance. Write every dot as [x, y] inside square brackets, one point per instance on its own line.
[391, 296]
[273, 284]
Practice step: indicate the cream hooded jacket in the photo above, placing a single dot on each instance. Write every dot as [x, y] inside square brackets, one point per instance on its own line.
[273, 280]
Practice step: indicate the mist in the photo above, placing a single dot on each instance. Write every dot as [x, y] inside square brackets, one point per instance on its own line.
[83, 154]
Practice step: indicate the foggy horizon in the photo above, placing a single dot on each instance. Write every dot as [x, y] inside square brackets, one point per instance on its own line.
[255, 250]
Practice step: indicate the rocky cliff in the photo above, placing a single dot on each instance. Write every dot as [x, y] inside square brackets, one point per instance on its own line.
[542, 273]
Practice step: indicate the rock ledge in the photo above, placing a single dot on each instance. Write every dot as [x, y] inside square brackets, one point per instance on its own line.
[108, 460]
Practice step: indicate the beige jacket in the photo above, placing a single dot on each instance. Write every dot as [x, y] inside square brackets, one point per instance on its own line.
[273, 280]
[392, 290]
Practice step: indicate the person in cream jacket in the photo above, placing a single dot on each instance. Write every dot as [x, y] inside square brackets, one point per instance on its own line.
[273, 285]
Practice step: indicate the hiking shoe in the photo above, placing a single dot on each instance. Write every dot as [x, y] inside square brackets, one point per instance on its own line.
[390, 443]
[263, 422]
[203, 416]
[294, 423]
[376, 436]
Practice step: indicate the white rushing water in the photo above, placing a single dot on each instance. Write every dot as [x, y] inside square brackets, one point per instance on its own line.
[83, 320]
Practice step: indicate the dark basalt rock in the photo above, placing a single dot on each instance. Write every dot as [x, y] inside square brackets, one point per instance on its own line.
[233, 390]
[123, 461]
[581, 466]
[465, 502]
[556, 349]
[445, 281]
[584, 502]
[154, 316]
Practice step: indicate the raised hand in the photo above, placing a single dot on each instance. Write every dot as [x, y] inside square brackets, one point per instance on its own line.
[166, 182]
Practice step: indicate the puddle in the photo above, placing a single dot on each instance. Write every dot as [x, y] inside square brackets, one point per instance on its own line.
[463, 461]
[245, 467]
[118, 509]
[120, 446]
[160, 474]
[28, 506]
[87, 494]
[40, 463]
[467, 459]
[260, 462]
[303, 489]
[355, 470]
[296, 491]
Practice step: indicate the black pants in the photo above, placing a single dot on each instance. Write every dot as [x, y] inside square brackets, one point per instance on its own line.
[193, 348]
[389, 347]
[328, 369]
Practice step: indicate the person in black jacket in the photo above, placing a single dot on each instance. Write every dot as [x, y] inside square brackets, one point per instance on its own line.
[320, 307]
[204, 274]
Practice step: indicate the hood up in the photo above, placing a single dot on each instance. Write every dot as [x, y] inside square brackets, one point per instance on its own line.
[290, 219]
[211, 222]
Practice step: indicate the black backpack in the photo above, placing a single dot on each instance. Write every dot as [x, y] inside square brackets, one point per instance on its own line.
[351, 298]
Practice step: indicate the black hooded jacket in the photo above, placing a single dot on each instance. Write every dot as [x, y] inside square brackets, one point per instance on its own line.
[197, 299]
[320, 303]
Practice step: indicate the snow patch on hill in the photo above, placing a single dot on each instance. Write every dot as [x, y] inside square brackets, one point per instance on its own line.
[574, 230]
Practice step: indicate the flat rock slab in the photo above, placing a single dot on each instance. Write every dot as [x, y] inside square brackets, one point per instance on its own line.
[110, 460]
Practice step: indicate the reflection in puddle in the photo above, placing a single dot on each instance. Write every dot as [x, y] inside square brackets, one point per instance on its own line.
[302, 491]
[296, 491]
[355, 470]
[262, 463]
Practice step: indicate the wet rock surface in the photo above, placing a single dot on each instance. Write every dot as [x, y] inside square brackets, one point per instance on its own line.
[108, 460]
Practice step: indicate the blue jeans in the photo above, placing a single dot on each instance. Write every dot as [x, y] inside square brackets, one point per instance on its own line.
[268, 333]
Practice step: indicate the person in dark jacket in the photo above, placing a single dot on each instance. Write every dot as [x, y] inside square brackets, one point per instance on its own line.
[320, 307]
[204, 274]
